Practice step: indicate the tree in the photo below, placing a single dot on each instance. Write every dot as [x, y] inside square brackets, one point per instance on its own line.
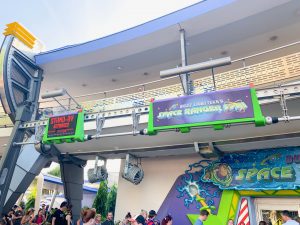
[111, 199]
[55, 172]
[31, 198]
[101, 199]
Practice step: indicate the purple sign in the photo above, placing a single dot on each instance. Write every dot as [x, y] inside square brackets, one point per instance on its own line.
[208, 107]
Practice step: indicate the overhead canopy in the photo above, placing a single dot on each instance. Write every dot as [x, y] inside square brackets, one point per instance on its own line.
[213, 29]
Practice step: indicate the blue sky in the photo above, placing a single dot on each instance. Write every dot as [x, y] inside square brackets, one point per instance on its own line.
[59, 23]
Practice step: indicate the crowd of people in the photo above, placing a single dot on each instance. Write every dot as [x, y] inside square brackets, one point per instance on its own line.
[89, 216]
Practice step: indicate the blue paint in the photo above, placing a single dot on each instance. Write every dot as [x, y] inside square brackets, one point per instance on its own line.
[269, 169]
[135, 32]
[55, 180]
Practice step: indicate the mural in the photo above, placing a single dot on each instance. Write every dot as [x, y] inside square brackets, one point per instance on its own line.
[218, 185]
[189, 194]
[270, 169]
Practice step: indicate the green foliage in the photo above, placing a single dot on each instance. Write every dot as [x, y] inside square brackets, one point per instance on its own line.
[111, 199]
[22, 204]
[101, 198]
[31, 198]
[55, 172]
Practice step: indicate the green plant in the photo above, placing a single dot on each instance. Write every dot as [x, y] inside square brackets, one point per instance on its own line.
[111, 199]
[31, 198]
[22, 204]
[55, 172]
[101, 199]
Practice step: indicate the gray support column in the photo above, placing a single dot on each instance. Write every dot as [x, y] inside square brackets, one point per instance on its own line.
[185, 78]
[73, 178]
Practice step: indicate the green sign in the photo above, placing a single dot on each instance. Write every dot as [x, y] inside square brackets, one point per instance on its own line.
[214, 109]
[65, 128]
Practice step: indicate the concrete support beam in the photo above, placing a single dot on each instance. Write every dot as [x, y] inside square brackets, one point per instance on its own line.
[72, 177]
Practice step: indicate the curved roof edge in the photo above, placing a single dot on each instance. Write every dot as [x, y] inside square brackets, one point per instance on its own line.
[57, 180]
[168, 20]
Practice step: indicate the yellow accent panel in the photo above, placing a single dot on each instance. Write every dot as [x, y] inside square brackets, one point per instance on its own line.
[271, 193]
[288, 192]
[21, 33]
[231, 213]
[235, 199]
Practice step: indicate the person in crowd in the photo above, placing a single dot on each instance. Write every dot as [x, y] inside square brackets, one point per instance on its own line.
[109, 219]
[28, 217]
[168, 220]
[59, 217]
[230, 222]
[203, 216]
[40, 217]
[144, 213]
[152, 215]
[9, 217]
[126, 220]
[156, 222]
[17, 217]
[98, 219]
[287, 218]
[137, 220]
[87, 217]
[262, 223]
[2, 222]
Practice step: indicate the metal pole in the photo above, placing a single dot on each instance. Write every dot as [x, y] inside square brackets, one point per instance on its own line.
[185, 78]
[213, 77]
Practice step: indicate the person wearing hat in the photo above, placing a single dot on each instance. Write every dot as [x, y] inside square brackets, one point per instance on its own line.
[152, 215]
[138, 220]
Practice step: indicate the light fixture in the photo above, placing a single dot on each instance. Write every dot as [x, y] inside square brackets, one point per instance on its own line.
[119, 68]
[98, 173]
[273, 38]
[133, 172]
[224, 53]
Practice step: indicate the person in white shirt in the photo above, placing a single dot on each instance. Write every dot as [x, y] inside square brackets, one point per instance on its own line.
[287, 218]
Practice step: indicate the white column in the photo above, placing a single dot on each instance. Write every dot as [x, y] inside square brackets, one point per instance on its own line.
[53, 197]
[39, 192]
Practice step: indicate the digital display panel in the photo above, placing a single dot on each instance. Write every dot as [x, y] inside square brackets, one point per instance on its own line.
[64, 125]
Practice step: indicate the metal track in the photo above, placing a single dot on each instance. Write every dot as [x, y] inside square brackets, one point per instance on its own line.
[267, 95]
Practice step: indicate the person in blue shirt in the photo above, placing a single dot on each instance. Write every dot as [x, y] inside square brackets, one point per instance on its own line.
[287, 218]
[203, 216]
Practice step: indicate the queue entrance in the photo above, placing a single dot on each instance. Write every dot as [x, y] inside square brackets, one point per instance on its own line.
[269, 209]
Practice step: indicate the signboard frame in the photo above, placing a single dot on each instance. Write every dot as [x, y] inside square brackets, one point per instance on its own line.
[258, 119]
[77, 136]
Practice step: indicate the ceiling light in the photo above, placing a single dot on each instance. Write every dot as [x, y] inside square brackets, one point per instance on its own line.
[273, 38]
[224, 53]
[119, 68]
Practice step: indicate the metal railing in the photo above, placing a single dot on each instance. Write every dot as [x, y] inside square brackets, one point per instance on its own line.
[267, 72]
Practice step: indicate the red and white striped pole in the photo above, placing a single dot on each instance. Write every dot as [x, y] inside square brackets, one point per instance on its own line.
[244, 213]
